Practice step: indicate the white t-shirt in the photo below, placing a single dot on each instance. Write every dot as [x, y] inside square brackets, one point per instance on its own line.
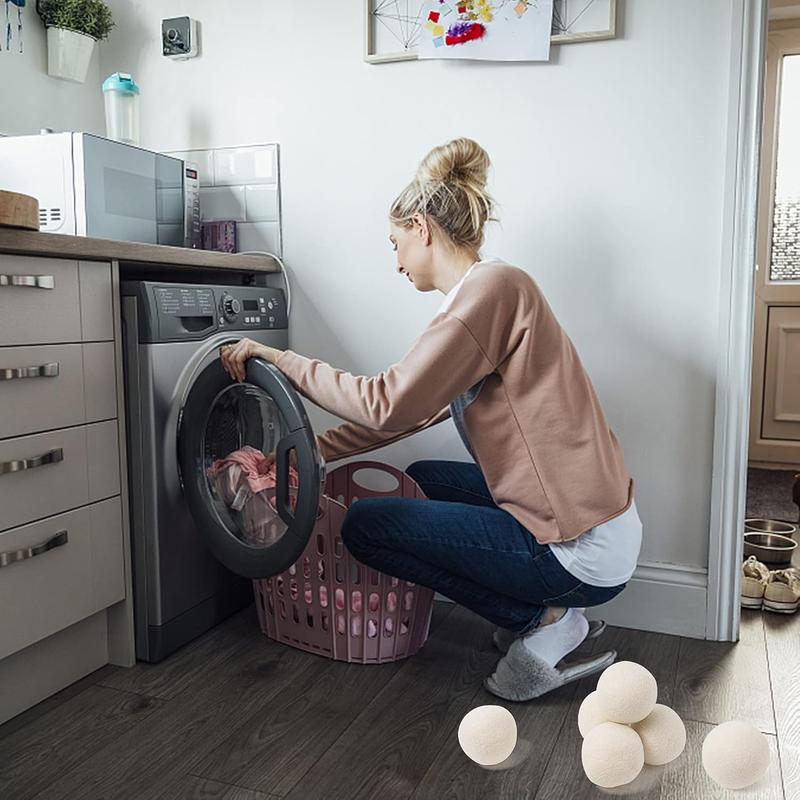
[448, 298]
[607, 554]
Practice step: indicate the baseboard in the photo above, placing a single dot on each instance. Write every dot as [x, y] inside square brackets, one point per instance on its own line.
[660, 597]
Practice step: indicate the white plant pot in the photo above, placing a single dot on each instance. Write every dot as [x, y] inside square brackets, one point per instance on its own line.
[68, 54]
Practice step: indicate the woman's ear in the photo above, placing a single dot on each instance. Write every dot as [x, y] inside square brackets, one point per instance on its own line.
[422, 228]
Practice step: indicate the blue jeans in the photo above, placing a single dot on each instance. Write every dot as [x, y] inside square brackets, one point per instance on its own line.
[460, 543]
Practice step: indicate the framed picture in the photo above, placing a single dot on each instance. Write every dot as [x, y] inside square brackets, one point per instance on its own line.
[392, 28]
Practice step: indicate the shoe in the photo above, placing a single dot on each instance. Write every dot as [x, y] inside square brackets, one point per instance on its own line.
[502, 637]
[782, 593]
[755, 577]
[520, 675]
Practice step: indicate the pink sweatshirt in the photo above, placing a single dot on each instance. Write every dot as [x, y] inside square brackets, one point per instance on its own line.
[536, 427]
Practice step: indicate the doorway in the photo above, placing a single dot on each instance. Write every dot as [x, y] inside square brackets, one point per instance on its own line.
[773, 475]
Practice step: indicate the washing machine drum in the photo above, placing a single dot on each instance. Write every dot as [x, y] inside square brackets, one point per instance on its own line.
[250, 468]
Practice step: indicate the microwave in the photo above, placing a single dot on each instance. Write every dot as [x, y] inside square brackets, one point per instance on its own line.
[90, 186]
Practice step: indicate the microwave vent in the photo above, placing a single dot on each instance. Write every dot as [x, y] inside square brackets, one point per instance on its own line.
[49, 217]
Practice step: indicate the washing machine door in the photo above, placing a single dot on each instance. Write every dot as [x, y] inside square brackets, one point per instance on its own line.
[254, 509]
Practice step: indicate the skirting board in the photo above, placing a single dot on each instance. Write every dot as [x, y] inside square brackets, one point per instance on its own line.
[664, 598]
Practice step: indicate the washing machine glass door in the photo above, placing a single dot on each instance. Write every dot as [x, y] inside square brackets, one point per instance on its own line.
[250, 468]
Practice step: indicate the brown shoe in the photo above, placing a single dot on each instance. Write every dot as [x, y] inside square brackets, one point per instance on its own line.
[755, 577]
[782, 593]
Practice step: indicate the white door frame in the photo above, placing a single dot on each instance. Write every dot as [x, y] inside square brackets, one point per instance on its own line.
[737, 292]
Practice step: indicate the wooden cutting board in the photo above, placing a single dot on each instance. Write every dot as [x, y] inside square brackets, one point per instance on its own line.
[18, 210]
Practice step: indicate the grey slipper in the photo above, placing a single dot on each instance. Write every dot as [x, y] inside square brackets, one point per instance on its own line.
[520, 675]
[503, 637]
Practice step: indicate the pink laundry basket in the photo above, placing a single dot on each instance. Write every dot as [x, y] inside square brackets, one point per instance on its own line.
[333, 605]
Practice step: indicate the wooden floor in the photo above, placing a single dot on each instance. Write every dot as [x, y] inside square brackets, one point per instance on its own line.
[236, 717]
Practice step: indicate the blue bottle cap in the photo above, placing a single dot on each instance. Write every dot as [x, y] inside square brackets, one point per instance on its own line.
[120, 82]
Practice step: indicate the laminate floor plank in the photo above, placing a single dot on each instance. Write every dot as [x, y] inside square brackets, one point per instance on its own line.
[33, 757]
[29, 716]
[280, 742]
[390, 745]
[140, 764]
[212, 685]
[193, 787]
[188, 665]
[719, 681]
[783, 654]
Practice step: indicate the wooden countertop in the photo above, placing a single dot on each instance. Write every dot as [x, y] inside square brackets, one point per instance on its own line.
[33, 243]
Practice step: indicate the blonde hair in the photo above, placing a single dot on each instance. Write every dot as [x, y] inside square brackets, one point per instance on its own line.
[450, 189]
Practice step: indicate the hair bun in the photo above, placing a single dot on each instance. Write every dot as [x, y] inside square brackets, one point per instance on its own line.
[458, 161]
[449, 189]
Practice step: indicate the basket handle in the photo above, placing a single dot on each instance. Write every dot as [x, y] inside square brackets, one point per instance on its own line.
[388, 469]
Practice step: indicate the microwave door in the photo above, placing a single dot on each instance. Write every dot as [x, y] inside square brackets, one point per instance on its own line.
[119, 183]
[170, 205]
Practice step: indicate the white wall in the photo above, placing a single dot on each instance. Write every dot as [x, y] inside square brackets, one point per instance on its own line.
[608, 167]
[30, 99]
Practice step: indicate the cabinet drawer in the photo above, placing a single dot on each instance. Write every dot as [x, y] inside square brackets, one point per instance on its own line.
[39, 300]
[55, 386]
[44, 590]
[48, 473]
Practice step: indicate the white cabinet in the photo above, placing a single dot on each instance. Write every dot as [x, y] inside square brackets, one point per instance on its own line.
[62, 551]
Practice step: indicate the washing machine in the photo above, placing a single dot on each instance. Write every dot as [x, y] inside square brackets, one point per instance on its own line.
[193, 560]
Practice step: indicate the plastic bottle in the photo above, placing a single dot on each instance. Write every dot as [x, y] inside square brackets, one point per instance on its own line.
[121, 96]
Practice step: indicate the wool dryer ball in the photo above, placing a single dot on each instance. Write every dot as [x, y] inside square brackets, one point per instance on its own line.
[663, 735]
[735, 754]
[612, 755]
[488, 734]
[590, 714]
[627, 692]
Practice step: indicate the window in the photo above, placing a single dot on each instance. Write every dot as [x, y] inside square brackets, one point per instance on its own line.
[785, 258]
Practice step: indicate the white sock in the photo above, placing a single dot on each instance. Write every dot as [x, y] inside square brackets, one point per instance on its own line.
[552, 642]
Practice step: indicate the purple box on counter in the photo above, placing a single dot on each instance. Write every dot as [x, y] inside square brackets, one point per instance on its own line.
[220, 234]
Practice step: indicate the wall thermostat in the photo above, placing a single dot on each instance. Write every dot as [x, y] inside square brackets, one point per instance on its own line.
[179, 37]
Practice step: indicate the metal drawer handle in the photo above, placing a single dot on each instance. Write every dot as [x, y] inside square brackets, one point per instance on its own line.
[33, 281]
[51, 457]
[12, 556]
[17, 373]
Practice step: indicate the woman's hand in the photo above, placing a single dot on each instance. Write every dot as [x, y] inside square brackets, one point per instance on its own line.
[234, 356]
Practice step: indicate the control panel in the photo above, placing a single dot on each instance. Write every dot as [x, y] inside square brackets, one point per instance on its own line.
[170, 312]
[245, 308]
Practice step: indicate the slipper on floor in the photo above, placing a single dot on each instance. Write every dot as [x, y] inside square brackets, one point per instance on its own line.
[520, 675]
[502, 638]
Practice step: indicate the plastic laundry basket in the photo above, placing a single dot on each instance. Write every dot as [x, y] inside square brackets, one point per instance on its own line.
[331, 604]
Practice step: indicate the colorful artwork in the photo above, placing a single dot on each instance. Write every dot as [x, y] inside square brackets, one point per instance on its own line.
[496, 30]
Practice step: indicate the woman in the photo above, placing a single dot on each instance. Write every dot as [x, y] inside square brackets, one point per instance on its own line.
[543, 523]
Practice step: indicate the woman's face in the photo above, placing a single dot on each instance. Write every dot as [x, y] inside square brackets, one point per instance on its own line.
[414, 252]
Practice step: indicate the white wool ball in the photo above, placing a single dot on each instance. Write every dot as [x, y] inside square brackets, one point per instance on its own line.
[627, 692]
[612, 755]
[590, 714]
[735, 754]
[663, 735]
[488, 734]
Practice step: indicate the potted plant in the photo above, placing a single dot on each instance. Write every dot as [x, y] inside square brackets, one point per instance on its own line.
[73, 26]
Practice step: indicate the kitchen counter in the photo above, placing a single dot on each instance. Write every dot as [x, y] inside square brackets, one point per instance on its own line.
[33, 243]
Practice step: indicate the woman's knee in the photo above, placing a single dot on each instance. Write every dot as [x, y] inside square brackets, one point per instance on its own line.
[419, 471]
[360, 519]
